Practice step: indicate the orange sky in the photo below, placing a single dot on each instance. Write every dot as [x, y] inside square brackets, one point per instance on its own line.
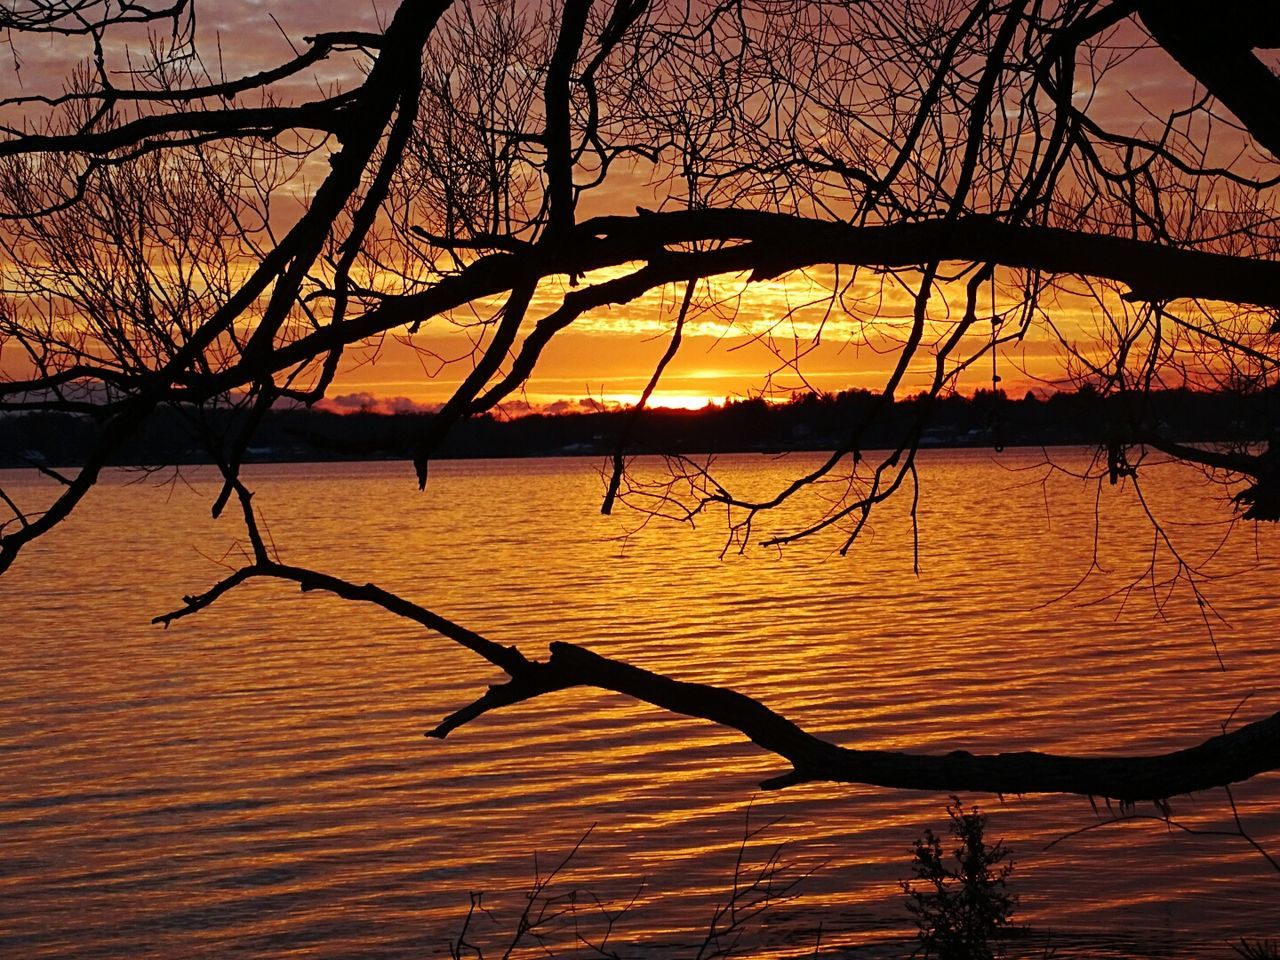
[733, 350]
[609, 356]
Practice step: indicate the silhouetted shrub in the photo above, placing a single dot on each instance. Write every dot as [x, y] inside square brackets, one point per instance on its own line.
[960, 909]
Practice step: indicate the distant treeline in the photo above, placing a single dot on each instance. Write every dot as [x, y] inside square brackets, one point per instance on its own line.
[807, 422]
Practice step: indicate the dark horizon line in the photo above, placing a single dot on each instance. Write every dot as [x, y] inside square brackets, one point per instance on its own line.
[810, 422]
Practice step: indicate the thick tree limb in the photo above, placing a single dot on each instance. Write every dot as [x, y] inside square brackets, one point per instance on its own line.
[1153, 271]
[1214, 42]
[774, 243]
[1219, 761]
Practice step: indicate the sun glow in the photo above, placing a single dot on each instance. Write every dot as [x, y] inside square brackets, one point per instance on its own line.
[670, 401]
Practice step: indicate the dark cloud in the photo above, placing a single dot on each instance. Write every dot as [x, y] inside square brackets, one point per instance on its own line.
[581, 405]
[366, 402]
[352, 401]
[405, 405]
[517, 408]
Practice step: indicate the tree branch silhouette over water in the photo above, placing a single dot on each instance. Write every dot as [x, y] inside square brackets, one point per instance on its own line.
[1225, 759]
[954, 180]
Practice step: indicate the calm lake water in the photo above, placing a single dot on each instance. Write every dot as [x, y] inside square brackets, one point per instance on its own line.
[254, 782]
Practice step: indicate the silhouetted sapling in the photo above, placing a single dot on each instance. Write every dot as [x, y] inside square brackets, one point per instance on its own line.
[960, 909]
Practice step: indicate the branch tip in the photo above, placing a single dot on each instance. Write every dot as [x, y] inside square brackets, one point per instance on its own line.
[789, 779]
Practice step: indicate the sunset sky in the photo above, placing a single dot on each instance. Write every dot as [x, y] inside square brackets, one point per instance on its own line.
[733, 348]
[744, 342]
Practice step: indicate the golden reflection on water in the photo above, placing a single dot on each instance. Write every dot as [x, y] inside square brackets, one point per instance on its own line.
[254, 781]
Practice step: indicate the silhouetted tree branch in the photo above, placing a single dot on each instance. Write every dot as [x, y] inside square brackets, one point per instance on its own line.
[1220, 761]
